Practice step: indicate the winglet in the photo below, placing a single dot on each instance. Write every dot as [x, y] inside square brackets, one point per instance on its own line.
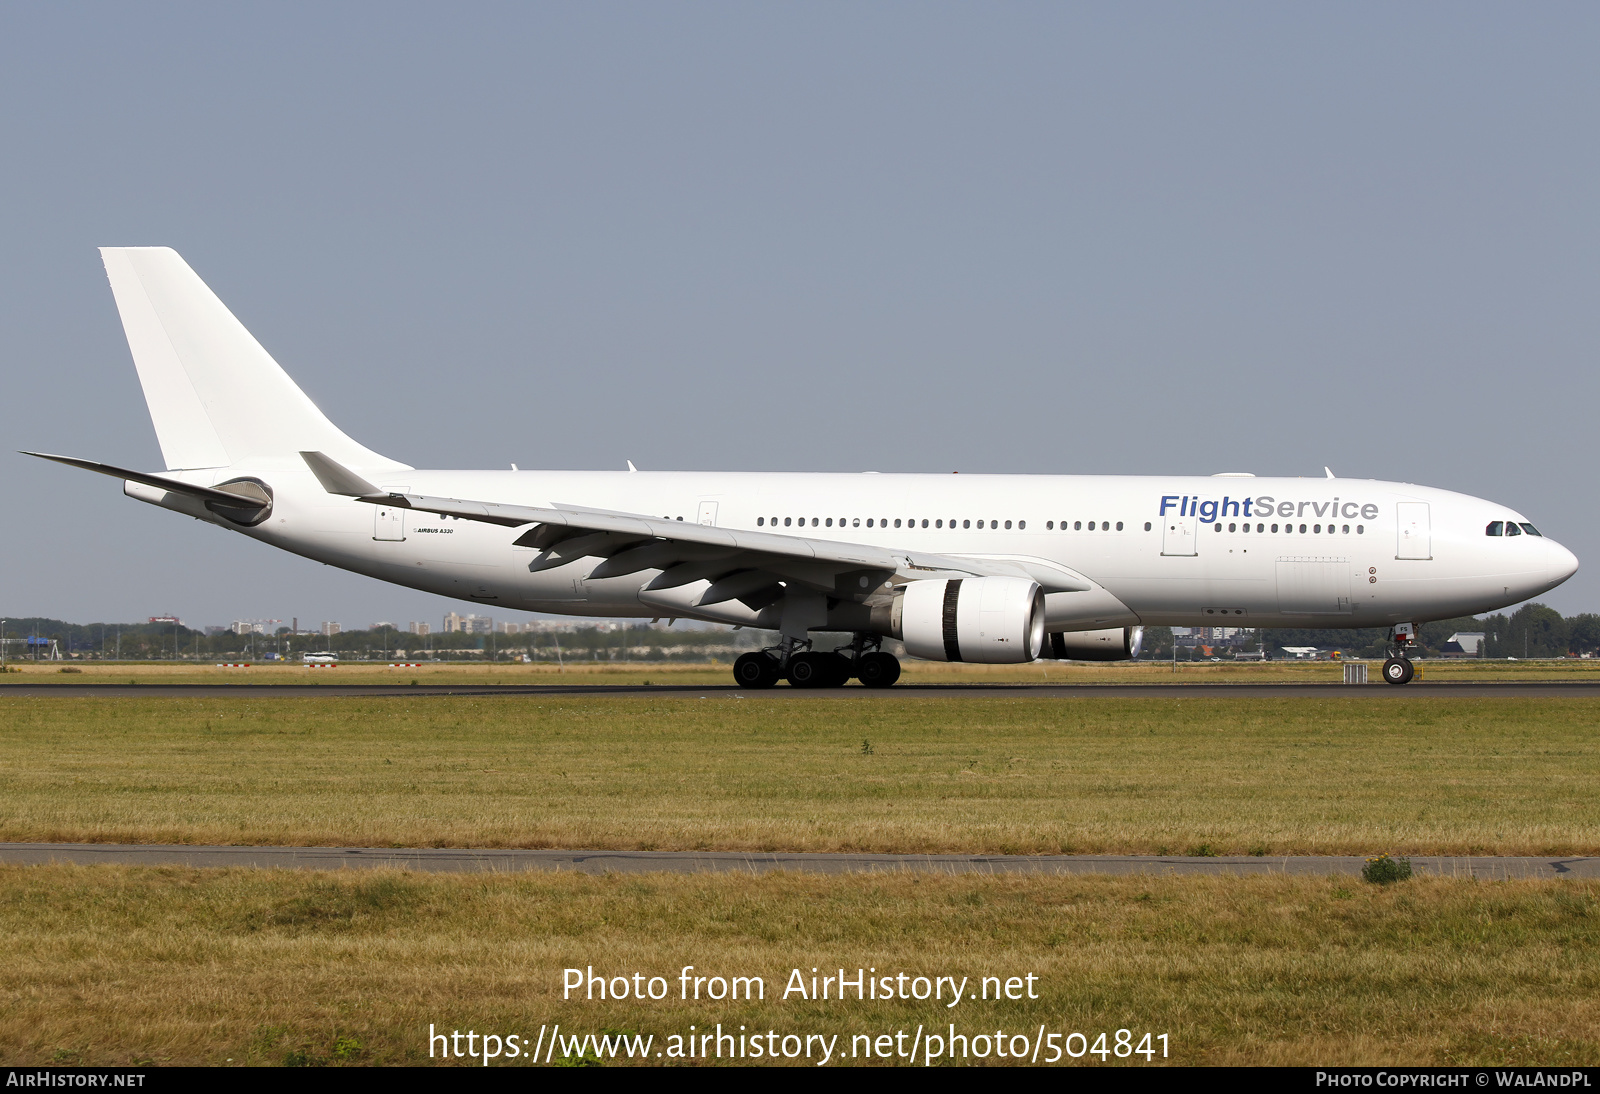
[338, 479]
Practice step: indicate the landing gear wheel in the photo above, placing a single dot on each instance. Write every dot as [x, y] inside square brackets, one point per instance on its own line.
[756, 670]
[1398, 670]
[811, 670]
[839, 670]
[878, 670]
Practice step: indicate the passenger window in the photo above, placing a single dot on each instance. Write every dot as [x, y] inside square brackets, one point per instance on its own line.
[924, 524]
[1021, 525]
[760, 521]
[1146, 526]
[1347, 529]
[1302, 529]
[1361, 529]
[1077, 526]
[1233, 527]
[869, 522]
[1512, 529]
[1219, 527]
[897, 522]
[1496, 528]
[786, 521]
[829, 523]
[1049, 526]
[1008, 525]
[1274, 527]
[1316, 529]
[856, 523]
[1531, 530]
[966, 524]
[813, 522]
[1119, 526]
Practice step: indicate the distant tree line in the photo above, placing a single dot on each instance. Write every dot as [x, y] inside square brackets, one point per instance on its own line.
[167, 642]
[1533, 630]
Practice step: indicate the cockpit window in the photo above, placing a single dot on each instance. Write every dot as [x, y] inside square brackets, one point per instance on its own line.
[1512, 529]
[1496, 528]
[1530, 529]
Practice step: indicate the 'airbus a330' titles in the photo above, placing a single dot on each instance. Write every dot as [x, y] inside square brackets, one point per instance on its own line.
[994, 569]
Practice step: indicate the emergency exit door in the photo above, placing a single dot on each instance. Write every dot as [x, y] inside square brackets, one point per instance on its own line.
[389, 523]
[1178, 535]
[708, 513]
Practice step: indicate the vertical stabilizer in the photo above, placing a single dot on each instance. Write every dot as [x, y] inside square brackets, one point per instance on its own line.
[216, 397]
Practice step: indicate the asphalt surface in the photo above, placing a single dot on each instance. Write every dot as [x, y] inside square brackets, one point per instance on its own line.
[453, 860]
[1575, 689]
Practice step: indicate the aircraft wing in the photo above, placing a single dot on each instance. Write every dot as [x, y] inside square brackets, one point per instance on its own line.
[740, 563]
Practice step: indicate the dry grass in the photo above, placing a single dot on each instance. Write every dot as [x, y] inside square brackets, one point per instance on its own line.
[718, 673]
[115, 966]
[1318, 775]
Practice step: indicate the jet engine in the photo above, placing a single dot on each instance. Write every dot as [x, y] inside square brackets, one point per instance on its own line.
[1112, 644]
[985, 620]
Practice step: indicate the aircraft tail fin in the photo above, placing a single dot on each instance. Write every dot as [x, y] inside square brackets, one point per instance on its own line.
[216, 397]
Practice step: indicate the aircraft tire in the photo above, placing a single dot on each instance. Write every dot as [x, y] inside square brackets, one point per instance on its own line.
[756, 670]
[878, 670]
[839, 670]
[810, 670]
[1398, 670]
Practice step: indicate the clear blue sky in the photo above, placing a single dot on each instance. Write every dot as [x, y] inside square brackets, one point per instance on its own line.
[1066, 238]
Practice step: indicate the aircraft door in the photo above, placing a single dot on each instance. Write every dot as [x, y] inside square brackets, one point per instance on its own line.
[1313, 585]
[1416, 530]
[1178, 535]
[388, 523]
[708, 513]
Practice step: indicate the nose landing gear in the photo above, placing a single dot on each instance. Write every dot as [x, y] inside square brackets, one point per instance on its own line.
[1398, 668]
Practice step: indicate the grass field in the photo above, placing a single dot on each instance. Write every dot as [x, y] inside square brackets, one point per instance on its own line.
[700, 674]
[116, 966]
[1208, 774]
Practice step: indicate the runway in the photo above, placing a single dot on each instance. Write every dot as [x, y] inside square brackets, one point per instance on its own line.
[454, 860]
[1377, 691]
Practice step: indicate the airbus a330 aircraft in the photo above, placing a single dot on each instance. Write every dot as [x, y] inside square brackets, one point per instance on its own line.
[996, 569]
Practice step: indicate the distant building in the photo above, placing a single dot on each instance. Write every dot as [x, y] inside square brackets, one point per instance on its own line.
[1462, 644]
[468, 624]
[330, 629]
[166, 619]
[245, 626]
[418, 629]
[381, 625]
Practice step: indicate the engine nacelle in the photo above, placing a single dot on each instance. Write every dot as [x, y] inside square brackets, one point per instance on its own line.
[1112, 644]
[984, 620]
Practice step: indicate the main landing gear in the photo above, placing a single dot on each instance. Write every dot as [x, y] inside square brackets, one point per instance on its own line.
[1398, 668]
[804, 667]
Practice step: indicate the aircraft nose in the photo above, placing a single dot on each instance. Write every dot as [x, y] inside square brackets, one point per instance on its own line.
[1563, 563]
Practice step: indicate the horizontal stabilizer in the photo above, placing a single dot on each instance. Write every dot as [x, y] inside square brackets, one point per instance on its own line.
[337, 479]
[233, 498]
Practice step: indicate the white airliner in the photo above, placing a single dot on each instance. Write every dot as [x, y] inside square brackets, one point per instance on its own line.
[997, 569]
